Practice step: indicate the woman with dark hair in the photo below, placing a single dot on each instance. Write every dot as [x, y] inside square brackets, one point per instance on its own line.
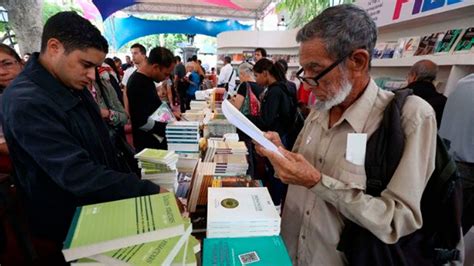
[111, 110]
[275, 110]
[115, 78]
[276, 114]
[111, 63]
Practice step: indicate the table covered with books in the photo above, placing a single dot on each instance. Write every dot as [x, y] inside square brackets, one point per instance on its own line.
[228, 219]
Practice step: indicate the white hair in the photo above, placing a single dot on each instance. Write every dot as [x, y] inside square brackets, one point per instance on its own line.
[344, 91]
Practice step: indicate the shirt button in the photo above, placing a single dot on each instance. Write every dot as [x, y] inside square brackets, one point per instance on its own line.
[303, 237]
[307, 212]
[320, 160]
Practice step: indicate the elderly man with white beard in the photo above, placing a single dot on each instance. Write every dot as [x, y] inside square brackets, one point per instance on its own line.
[327, 188]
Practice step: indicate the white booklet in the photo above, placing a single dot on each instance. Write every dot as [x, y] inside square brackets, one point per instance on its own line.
[235, 117]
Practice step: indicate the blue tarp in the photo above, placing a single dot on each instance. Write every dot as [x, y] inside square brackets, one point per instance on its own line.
[120, 31]
[108, 7]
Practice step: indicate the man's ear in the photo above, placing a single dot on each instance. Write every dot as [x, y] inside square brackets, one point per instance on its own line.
[358, 62]
[54, 47]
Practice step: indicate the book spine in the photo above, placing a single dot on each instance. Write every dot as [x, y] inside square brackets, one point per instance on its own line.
[72, 228]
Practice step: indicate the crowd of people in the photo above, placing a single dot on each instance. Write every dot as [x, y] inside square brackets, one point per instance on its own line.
[64, 114]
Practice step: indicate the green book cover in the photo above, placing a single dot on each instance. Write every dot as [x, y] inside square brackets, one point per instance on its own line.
[187, 254]
[154, 155]
[103, 227]
[146, 171]
[268, 250]
[156, 166]
[448, 41]
[87, 262]
[466, 43]
[161, 252]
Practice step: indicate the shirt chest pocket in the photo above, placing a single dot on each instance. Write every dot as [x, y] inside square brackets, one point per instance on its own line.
[352, 175]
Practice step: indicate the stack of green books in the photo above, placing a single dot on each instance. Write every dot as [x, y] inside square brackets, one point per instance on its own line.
[146, 230]
[159, 166]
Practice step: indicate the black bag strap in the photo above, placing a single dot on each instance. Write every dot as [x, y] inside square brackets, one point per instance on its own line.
[385, 146]
[231, 74]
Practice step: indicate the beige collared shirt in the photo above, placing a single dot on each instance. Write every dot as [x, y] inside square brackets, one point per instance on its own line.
[314, 218]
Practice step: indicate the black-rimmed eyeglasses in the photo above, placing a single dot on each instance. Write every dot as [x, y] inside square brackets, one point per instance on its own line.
[314, 81]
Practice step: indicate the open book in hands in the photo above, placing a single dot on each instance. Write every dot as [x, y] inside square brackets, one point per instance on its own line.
[163, 114]
[235, 117]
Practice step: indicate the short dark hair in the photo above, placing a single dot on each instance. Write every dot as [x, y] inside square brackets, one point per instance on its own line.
[140, 47]
[194, 58]
[177, 58]
[9, 51]
[262, 51]
[227, 59]
[161, 56]
[275, 69]
[74, 32]
[284, 64]
[29, 54]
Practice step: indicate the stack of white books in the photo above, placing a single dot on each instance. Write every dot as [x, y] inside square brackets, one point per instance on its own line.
[241, 212]
[229, 156]
[219, 127]
[183, 136]
[187, 162]
[159, 166]
[198, 105]
[193, 115]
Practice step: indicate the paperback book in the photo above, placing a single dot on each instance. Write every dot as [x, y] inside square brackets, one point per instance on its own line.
[102, 227]
[256, 251]
[450, 38]
[410, 46]
[466, 43]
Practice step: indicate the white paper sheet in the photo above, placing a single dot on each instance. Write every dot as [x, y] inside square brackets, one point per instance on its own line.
[235, 117]
[355, 149]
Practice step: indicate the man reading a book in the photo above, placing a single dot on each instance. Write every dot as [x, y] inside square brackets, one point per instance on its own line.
[325, 173]
[59, 145]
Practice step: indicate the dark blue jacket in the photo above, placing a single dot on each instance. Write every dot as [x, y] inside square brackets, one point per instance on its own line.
[61, 151]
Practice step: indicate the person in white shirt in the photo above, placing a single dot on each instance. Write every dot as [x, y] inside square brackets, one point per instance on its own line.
[138, 57]
[227, 75]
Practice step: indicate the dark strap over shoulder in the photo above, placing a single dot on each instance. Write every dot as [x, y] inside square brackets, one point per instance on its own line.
[385, 146]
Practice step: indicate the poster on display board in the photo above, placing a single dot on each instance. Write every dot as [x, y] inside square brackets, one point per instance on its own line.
[386, 12]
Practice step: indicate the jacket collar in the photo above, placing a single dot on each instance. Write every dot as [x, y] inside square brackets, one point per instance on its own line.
[423, 89]
[59, 93]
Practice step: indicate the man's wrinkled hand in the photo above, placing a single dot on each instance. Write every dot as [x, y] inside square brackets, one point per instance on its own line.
[292, 168]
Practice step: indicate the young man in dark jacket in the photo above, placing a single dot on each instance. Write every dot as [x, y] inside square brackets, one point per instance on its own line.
[59, 144]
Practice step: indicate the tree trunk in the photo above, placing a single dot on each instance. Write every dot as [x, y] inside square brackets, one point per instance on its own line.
[25, 19]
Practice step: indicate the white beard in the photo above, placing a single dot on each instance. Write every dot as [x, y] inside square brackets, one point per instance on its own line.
[345, 90]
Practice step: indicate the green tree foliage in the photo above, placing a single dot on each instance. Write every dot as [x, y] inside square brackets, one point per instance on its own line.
[51, 8]
[169, 41]
[302, 11]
